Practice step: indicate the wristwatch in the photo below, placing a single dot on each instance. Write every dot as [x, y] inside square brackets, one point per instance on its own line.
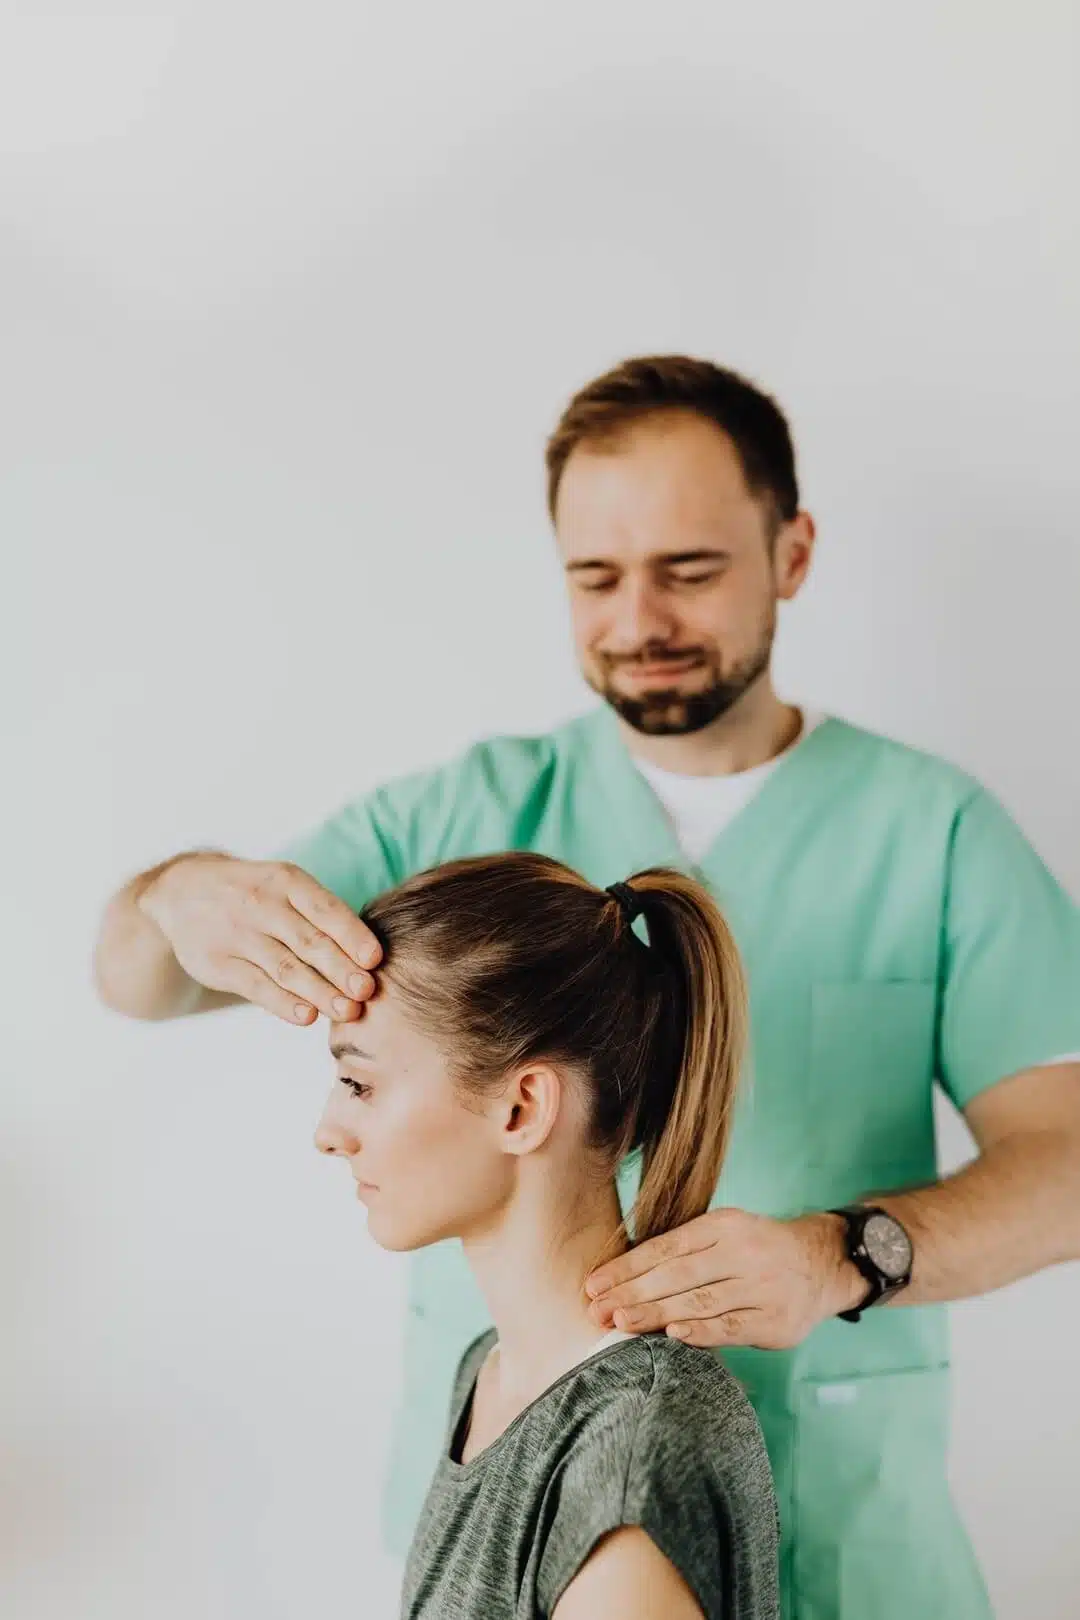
[881, 1249]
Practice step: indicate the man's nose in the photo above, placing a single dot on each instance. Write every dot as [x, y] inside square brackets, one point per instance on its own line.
[641, 616]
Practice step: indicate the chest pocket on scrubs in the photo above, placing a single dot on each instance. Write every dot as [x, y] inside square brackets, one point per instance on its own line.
[869, 1097]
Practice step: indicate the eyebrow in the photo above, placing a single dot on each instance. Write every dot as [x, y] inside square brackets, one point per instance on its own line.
[670, 558]
[350, 1049]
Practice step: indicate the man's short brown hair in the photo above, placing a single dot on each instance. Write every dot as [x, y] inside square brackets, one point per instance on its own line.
[603, 410]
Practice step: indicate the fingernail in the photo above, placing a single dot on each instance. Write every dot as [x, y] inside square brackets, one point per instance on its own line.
[358, 984]
[595, 1287]
[341, 1006]
[627, 1319]
[302, 1012]
[679, 1330]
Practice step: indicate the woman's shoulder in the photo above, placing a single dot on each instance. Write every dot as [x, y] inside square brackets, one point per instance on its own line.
[699, 1416]
[669, 1442]
[689, 1378]
[674, 1398]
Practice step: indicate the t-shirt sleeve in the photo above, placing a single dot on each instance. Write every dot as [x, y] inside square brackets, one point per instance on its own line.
[1010, 996]
[696, 1479]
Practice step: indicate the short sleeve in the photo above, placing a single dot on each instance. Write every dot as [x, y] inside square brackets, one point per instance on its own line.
[375, 842]
[690, 1469]
[1010, 993]
[356, 853]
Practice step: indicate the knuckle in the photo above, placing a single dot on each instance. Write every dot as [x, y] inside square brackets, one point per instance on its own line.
[319, 900]
[286, 969]
[249, 981]
[702, 1301]
[261, 878]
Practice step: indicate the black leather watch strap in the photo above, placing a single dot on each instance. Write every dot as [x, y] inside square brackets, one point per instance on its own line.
[879, 1285]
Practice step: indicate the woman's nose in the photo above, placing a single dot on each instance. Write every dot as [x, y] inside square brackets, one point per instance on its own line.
[324, 1141]
[330, 1138]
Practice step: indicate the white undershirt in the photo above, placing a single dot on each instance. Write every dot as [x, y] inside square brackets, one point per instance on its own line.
[700, 807]
[614, 1336]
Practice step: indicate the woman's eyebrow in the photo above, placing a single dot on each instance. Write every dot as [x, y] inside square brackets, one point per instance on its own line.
[350, 1049]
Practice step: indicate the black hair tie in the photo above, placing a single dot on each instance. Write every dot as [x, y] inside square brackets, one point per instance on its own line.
[630, 901]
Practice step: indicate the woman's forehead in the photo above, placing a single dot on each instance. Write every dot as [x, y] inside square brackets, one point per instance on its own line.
[385, 1030]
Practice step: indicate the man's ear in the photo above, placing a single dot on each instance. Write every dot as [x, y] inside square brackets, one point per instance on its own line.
[793, 552]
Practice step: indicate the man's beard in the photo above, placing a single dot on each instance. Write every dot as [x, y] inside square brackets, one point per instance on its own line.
[667, 712]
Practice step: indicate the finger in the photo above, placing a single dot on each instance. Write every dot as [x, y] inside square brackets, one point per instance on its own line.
[334, 918]
[296, 978]
[717, 1332]
[681, 1240]
[245, 979]
[673, 1277]
[699, 1304]
[321, 953]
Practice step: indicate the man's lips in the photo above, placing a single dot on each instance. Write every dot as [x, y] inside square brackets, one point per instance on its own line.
[663, 670]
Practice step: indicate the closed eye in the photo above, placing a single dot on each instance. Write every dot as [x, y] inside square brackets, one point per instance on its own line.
[700, 577]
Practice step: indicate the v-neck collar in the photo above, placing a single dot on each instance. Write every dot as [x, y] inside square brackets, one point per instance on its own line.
[641, 828]
[452, 1468]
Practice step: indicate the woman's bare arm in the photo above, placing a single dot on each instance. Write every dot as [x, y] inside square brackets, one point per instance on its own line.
[627, 1575]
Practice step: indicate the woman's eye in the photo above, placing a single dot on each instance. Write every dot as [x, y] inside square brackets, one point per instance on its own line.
[357, 1087]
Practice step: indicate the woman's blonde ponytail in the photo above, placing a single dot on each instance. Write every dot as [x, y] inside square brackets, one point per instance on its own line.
[691, 1074]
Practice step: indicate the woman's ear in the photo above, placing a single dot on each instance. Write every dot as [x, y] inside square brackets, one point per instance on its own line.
[527, 1111]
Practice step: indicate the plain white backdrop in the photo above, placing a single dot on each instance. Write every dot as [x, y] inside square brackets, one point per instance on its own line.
[289, 299]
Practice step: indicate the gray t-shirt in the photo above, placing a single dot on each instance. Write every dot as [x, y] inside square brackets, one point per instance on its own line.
[646, 1432]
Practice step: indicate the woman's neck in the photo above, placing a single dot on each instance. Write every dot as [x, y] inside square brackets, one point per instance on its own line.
[531, 1265]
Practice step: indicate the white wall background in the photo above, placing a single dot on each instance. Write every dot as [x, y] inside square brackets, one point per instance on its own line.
[289, 298]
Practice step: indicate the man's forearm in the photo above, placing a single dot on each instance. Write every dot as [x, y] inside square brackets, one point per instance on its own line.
[1011, 1212]
[135, 969]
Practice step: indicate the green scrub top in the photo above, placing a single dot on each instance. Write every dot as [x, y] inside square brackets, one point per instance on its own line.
[897, 929]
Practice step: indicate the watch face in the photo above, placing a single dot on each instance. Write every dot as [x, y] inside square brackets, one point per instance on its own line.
[888, 1246]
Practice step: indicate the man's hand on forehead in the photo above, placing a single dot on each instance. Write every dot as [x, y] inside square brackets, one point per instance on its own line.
[267, 932]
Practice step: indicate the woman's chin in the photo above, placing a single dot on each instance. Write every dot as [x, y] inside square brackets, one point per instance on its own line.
[395, 1239]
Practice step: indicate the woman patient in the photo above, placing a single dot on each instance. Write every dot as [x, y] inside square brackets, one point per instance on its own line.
[529, 1032]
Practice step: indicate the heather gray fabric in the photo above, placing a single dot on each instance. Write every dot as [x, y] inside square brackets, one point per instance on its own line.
[647, 1432]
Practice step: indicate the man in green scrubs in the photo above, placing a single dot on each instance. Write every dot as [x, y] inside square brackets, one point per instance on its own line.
[897, 928]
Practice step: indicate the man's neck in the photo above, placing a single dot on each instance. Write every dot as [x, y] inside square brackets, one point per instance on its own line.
[752, 732]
